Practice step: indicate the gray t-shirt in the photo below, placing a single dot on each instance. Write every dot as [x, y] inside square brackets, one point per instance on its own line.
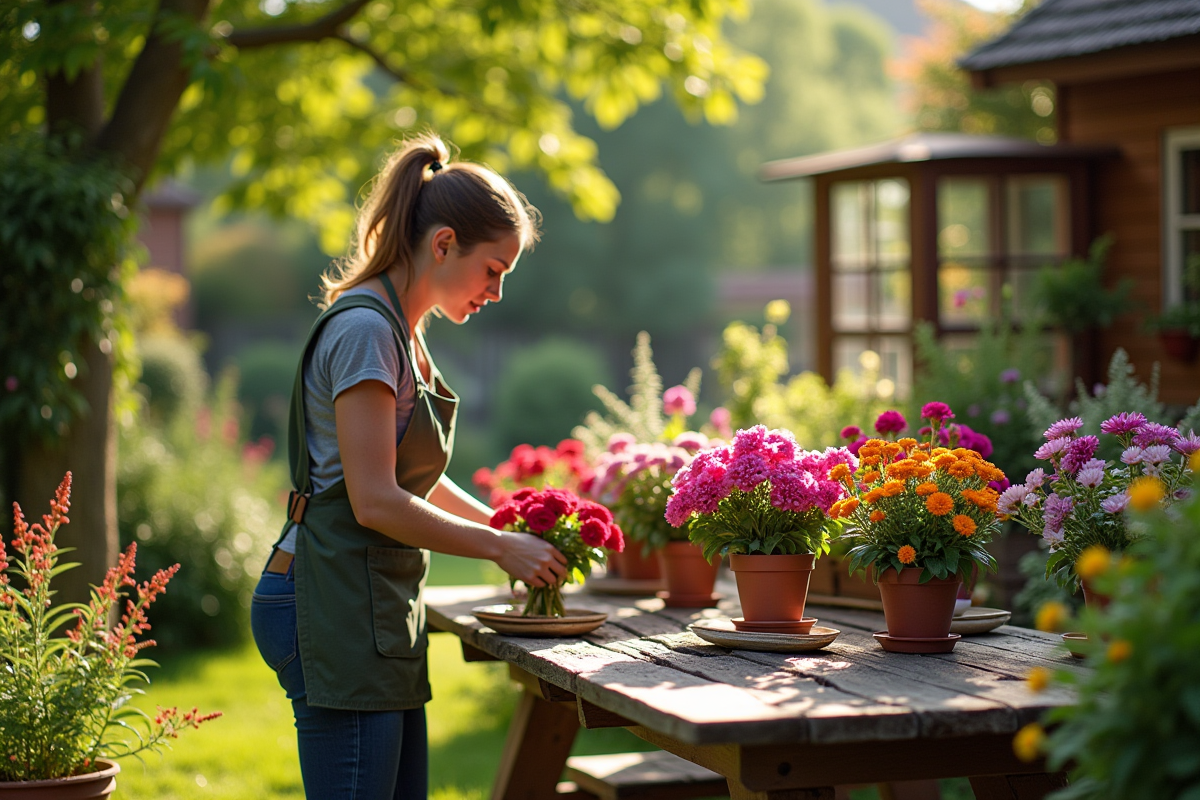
[354, 346]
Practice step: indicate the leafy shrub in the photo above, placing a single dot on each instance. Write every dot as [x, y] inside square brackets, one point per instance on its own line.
[545, 390]
[1135, 731]
[266, 372]
[173, 376]
[1072, 295]
[188, 492]
[752, 366]
[983, 386]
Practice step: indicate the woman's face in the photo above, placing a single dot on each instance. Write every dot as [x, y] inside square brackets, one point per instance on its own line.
[463, 283]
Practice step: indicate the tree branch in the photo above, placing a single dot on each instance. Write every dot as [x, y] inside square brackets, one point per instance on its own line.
[398, 75]
[323, 28]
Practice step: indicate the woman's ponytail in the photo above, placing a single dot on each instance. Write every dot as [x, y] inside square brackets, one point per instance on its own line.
[418, 189]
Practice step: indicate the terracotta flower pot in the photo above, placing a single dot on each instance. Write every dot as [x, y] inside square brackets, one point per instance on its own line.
[632, 565]
[689, 577]
[1093, 599]
[1179, 345]
[917, 610]
[101, 783]
[772, 588]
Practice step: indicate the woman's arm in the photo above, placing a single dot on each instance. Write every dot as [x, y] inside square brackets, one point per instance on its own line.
[449, 496]
[364, 413]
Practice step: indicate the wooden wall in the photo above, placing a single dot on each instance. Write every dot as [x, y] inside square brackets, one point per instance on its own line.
[1133, 114]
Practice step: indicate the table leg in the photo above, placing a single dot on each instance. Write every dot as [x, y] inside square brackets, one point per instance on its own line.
[536, 749]
[739, 792]
[1017, 787]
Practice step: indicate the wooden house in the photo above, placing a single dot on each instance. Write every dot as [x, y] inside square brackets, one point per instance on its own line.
[935, 226]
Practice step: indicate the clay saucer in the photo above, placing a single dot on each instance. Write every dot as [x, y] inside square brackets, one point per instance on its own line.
[801, 626]
[902, 644]
[507, 619]
[628, 587]
[721, 632]
[978, 619]
[1077, 643]
[676, 600]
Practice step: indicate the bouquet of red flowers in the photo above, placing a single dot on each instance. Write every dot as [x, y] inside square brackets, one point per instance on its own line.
[564, 467]
[580, 529]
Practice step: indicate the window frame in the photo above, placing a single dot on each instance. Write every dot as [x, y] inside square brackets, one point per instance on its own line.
[1175, 222]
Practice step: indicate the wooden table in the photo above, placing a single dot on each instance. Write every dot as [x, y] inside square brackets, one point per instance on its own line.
[777, 726]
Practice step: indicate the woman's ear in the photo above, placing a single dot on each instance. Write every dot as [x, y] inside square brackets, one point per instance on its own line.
[442, 240]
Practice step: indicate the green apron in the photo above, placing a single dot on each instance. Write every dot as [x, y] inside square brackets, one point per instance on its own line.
[359, 607]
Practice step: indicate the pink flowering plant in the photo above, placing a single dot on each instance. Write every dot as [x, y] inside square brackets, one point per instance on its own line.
[580, 529]
[67, 678]
[634, 481]
[1079, 500]
[759, 494]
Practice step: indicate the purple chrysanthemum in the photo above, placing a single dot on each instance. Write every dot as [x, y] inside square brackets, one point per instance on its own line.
[1116, 503]
[1035, 478]
[1057, 510]
[890, 422]
[1091, 474]
[1011, 498]
[1131, 455]
[851, 433]
[1188, 444]
[1064, 427]
[1123, 423]
[1011, 375]
[1051, 449]
[1079, 452]
[936, 412]
[1152, 433]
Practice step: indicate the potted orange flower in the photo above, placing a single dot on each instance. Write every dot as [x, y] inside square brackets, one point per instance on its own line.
[918, 518]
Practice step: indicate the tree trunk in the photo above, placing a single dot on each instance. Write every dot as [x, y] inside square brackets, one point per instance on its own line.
[89, 451]
[89, 448]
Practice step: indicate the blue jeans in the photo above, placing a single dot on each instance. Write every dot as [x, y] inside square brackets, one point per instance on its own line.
[344, 755]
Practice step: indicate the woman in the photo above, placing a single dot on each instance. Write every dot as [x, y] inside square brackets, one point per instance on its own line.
[338, 611]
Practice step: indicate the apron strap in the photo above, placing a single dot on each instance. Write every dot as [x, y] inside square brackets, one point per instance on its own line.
[298, 459]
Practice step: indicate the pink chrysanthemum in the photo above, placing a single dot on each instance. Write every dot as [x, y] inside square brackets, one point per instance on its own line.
[890, 422]
[936, 412]
[1124, 423]
[1064, 427]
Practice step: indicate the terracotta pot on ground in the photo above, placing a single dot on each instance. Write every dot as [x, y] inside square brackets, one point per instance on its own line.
[77, 787]
[1179, 345]
[632, 565]
[689, 577]
[773, 589]
[915, 610]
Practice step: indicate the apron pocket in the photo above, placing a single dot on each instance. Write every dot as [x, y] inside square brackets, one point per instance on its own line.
[397, 611]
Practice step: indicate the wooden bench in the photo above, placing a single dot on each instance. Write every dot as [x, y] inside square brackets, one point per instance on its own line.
[656, 775]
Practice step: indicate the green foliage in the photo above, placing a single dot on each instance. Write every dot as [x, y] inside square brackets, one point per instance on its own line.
[544, 390]
[492, 75]
[266, 372]
[1072, 295]
[173, 377]
[983, 387]
[640, 510]
[752, 366]
[1134, 732]
[642, 416]
[64, 229]
[68, 679]
[1123, 392]
[187, 493]
[746, 522]
[943, 98]
[1184, 316]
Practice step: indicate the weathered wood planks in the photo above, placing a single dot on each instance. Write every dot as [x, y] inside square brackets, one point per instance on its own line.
[645, 667]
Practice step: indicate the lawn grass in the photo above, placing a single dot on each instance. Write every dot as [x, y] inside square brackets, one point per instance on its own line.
[250, 752]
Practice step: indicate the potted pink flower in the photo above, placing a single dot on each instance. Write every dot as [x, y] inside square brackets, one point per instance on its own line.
[765, 503]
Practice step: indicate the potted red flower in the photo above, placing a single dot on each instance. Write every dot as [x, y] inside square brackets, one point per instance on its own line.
[580, 529]
[561, 467]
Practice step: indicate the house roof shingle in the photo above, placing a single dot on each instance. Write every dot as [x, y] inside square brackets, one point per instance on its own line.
[1063, 28]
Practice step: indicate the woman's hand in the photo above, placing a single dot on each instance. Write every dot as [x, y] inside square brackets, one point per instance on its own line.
[531, 559]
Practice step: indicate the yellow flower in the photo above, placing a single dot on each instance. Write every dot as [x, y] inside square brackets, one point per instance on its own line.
[1029, 741]
[906, 554]
[964, 524]
[1194, 461]
[1092, 562]
[878, 516]
[870, 476]
[939, 504]
[944, 460]
[892, 488]
[919, 457]
[1119, 650]
[961, 470]
[872, 496]
[1145, 492]
[1051, 616]
[849, 506]
[1038, 679]
[907, 443]
[839, 472]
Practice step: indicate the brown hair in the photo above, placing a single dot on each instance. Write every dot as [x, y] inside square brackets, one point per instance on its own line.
[420, 189]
